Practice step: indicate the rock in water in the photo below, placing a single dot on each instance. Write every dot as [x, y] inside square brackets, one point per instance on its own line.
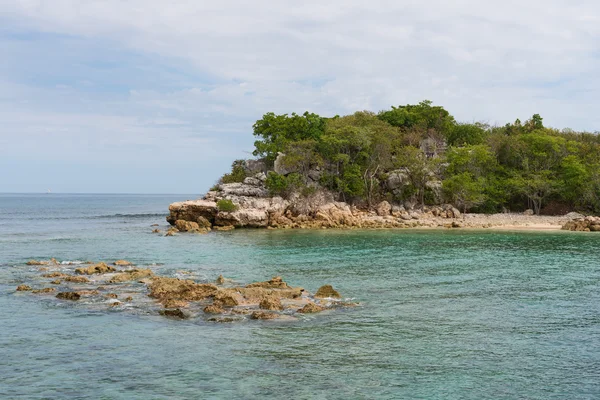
[271, 303]
[176, 313]
[23, 288]
[220, 280]
[179, 289]
[44, 290]
[311, 308]
[275, 283]
[100, 268]
[122, 263]
[76, 279]
[36, 262]
[263, 315]
[133, 275]
[68, 296]
[327, 291]
[213, 309]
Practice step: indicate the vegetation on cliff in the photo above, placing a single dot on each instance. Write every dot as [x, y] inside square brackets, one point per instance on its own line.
[421, 154]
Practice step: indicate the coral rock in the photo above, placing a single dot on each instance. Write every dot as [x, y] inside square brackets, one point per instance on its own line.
[327, 291]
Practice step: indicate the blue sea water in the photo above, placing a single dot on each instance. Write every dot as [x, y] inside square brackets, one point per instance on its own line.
[443, 314]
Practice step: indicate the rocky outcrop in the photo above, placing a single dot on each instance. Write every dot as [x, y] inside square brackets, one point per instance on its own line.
[311, 308]
[100, 268]
[179, 289]
[68, 296]
[327, 291]
[585, 224]
[192, 209]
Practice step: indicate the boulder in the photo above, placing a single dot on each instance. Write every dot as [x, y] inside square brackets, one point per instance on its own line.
[43, 291]
[263, 315]
[176, 313]
[227, 298]
[271, 303]
[23, 288]
[327, 291]
[180, 289]
[574, 215]
[311, 308]
[528, 212]
[133, 275]
[171, 232]
[253, 167]
[100, 268]
[187, 226]
[213, 309]
[171, 303]
[384, 209]
[203, 223]
[274, 283]
[220, 280]
[36, 262]
[280, 167]
[76, 279]
[192, 209]
[68, 296]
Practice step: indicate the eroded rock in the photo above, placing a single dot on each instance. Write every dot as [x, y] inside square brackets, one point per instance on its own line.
[180, 289]
[68, 296]
[100, 268]
[24, 288]
[327, 291]
[311, 308]
[271, 303]
[133, 275]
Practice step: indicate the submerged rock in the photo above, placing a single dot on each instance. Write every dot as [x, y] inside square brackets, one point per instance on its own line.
[43, 291]
[171, 303]
[36, 262]
[100, 268]
[76, 279]
[68, 296]
[55, 275]
[122, 263]
[24, 288]
[111, 296]
[55, 282]
[327, 291]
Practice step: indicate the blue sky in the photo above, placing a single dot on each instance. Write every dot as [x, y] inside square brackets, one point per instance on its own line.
[139, 97]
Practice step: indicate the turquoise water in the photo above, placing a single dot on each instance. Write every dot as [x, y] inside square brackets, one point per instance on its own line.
[443, 315]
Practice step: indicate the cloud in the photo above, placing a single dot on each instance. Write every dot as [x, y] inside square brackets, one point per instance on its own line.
[191, 77]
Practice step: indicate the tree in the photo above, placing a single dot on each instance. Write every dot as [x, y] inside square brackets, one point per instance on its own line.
[419, 169]
[536, 187]
[464, 190]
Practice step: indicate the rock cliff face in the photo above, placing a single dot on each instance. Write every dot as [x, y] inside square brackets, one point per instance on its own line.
[256, 209]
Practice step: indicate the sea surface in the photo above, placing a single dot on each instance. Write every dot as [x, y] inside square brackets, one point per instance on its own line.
[443, 314]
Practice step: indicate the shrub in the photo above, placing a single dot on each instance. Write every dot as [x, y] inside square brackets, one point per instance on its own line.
[237, 174]
[226, 205]
[280, 185]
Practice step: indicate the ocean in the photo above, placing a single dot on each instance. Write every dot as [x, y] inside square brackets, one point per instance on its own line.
[443, 314]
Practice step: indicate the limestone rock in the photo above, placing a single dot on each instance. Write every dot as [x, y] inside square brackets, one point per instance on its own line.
[327, 291]
[43, 291]
[68, 296]
[274, 283]
[76, 279]
[263, 315]
[176, 313]
[100, 268]
[213, 309]
[133, 275]
[180, 289]
[311, 308]
[227, 298]
[384, 209]
[271, 303]
[192, 209]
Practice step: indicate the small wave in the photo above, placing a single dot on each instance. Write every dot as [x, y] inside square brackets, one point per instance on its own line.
[143, 215]
[74, 262]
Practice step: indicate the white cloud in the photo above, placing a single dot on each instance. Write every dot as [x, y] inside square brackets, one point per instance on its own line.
[482, 60]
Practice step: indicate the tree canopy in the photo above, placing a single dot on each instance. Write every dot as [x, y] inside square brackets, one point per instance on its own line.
[419, 153]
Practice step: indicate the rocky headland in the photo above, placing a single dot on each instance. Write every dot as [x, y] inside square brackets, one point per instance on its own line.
[249, 205]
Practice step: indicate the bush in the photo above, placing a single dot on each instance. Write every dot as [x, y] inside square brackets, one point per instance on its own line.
[226, 205]
[237, 174]
[280, 185]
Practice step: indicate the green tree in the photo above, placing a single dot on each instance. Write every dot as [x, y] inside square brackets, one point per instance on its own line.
[464, 190]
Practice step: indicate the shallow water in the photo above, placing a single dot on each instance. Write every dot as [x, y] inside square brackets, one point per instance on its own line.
[444, 314]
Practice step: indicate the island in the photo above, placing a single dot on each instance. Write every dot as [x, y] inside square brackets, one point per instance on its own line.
[412, 166]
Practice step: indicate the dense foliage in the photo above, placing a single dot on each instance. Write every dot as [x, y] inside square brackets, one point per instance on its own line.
[421, 154]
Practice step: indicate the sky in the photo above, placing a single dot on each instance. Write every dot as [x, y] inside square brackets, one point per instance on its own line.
[148, 96]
